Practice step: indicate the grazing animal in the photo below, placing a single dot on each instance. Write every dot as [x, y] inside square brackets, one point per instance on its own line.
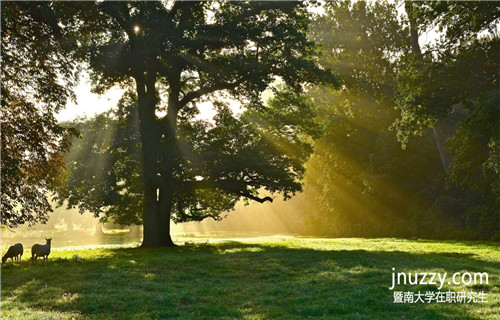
[14, 252]
[41, 250]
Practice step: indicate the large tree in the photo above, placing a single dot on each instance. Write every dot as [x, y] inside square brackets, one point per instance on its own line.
[176, 54]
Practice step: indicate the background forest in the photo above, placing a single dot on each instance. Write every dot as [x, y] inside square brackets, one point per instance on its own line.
[411, 143]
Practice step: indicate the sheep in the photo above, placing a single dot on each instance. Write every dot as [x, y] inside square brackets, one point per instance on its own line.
[41, 250]
[14, 252]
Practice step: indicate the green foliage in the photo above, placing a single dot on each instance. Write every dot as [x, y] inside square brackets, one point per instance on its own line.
[437, 86]
[104, 165]
[358, 178]
[414, 101]
[205, 44]
[151, 157]
[459, 21]
[38, 73]
[476, 163]
[455, 83]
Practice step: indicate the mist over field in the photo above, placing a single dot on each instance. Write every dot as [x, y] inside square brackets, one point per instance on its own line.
[70, 229]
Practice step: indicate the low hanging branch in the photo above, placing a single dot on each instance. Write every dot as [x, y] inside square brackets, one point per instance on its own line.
[232, 186]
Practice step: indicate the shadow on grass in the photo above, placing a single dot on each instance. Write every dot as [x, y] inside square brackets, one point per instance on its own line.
[234, 280]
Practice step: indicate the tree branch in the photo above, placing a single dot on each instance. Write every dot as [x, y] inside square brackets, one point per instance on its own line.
[206, 90]
[232, 186]
[250, 196]
[203, 217]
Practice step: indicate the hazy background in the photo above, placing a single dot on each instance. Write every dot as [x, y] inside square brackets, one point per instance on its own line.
[70, 229]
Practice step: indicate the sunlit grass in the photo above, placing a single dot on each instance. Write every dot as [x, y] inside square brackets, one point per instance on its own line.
[253, 278]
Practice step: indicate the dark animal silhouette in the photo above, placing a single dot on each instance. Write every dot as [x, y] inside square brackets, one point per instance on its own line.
[41, 250]
[14, 252]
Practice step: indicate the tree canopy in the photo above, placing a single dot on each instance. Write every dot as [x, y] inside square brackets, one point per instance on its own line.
[174, 55]
[38, 72]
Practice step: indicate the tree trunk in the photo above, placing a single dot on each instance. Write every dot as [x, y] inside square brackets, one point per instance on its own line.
[415, 48]
[168, 150]
[158, 141]
[150, 217]
[146, 95]
[167, 187]
[164, 215]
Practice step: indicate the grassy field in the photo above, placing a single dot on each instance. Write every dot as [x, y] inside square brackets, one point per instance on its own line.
[256, 278]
